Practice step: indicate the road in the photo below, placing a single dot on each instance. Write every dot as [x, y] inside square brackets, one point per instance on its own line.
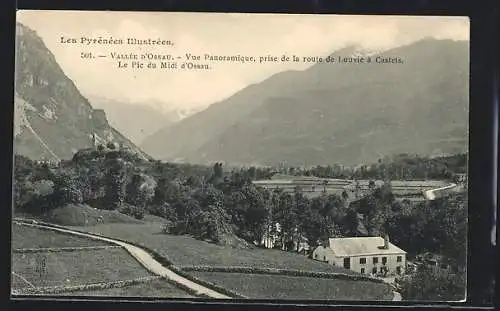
[433, 193]
[144, 258]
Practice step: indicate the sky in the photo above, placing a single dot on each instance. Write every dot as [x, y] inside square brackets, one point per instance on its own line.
[217, 34]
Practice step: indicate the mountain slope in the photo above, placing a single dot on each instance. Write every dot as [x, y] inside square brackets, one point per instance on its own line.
[183, 138]
[52, 119]
[336, 113]
[135, 120]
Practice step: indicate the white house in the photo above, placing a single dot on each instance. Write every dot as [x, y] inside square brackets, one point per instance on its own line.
[367, 255]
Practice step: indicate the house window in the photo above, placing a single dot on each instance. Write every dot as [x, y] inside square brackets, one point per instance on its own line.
[362, 261]
[374, 270]
[375, 260]
[362, 270]
[398, 269]
[399, 259]
[384, 260]
[324, 258]
[347, 263]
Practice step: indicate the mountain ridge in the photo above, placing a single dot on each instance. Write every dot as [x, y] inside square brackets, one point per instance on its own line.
[406, 101]
[53, 120]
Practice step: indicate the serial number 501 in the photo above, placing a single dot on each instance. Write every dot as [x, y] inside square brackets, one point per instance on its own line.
[86, 55]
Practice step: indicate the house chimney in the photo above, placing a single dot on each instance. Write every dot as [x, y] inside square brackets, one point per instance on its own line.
[386, 241]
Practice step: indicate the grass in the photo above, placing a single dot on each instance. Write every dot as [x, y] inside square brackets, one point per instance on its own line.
[84, 215]
[29, 237]
[157, 288]
[186, 251]
[76, 268]
[290, 287]
[115, 264]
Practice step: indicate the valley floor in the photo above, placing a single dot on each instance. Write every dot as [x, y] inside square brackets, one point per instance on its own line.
[181, 251]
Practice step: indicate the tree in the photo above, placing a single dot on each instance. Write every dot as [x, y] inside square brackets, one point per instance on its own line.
[428, 285]
[96, 179]
[115, 183]
[345, 196]
[250, 212]
[371, 184]
[286, 215]
[217, 175]
[333, 208]
[66, 189]
[210, 224]
[134, 193]
[24, 193]
[208, 219]
[111, 146]
[315, 227]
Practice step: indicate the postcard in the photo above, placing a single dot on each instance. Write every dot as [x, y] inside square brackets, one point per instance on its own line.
[240, 156]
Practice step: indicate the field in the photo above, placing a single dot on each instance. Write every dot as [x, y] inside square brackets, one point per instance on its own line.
[187, 251]
[157, 288]
[74, 268]
[313, 187]
[289, 287]
[107, 265]
[184, 252]
[28, 237]
[79, 267]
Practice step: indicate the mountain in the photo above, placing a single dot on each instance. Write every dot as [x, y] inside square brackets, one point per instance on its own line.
[137, 120]
[335, 113]
[52, 120]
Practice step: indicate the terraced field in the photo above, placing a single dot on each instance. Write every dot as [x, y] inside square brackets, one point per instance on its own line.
[187, 251]
[47, 260]
[27, 237]
[154, 289]
[190, 255]
[314, 187]
[290, 287]
[74, 268]
[93, 268]
[409, 187]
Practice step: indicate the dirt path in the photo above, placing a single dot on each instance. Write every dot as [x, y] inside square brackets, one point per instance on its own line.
[145, 259]
[432, 194]
[397, 297]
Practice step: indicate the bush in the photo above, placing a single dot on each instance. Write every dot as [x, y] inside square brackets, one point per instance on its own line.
[111, 146]
[66, 188]
[167, 227]
[429, 285]
[288, 272]
[88, 287]
[69, 195]
[131, 210]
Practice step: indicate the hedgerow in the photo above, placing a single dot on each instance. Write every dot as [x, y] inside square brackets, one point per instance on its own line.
[63, 249]
[84, 287]
[288, 272]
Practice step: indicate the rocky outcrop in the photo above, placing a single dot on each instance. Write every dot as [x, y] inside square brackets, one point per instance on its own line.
[52, 118]
[99, 120]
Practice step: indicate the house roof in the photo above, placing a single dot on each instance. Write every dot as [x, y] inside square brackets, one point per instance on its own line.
[360, 246]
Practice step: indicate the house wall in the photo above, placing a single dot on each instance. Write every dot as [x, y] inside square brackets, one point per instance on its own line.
[391, 264]
[326, 254]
